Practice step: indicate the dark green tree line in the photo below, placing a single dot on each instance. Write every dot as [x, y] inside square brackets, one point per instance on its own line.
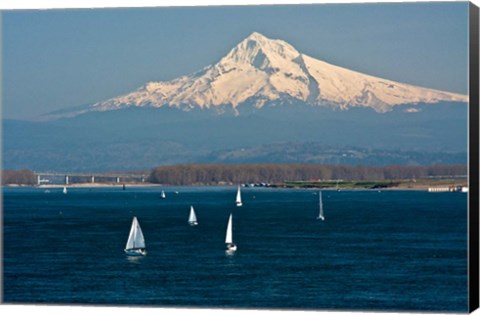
[191, 174]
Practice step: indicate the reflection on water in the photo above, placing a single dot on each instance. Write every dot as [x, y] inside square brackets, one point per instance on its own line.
[135, 259]
[229, 253]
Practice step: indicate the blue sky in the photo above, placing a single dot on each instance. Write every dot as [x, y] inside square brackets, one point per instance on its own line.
[53, 59]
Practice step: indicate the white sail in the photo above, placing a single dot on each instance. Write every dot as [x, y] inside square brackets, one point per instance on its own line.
[163, 195]
[320, 205]
[64, 189]
[228, 236]
[239, 198]
[135, 238]
[192, 218]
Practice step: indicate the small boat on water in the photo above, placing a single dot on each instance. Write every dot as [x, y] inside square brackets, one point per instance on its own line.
[238, 201]
[163, 195]
[320, 205]
[231, 247]
[65, 189]
[136, 242]
[192, 218]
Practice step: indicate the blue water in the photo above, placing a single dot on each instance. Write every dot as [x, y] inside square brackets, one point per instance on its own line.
[394, 250]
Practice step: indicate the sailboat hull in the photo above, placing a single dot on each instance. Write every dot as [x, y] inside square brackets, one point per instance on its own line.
[239, 204]
[135, 252]
[231, 248]
[193, 223]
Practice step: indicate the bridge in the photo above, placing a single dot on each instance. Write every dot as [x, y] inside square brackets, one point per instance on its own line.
[67, 178]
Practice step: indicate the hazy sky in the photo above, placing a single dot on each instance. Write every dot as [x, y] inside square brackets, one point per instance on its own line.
[54, 59]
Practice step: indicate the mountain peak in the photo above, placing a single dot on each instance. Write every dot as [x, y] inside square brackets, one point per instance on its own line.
[261, 52]
[257, 36]
[263, 40]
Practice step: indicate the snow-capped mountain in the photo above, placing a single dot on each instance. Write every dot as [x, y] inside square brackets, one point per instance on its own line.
[260, 70]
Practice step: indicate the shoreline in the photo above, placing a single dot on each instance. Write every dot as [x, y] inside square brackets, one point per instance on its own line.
[418, 187]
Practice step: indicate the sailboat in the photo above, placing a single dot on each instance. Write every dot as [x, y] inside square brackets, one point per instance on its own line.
[136, 242]
[192, 218]
[320, 205]
[163, 195]
[238, 201]
[231, 247]
[65, 189]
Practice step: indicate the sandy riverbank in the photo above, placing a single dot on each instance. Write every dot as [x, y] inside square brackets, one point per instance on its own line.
[401, 186]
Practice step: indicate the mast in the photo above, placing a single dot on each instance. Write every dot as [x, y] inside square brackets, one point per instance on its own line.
[320, 205]
[192, 217]
[228, 236]
[239, 198]
[134, 231]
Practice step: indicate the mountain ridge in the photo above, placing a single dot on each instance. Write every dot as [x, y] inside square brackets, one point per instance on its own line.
[259, 71]
[145, 137]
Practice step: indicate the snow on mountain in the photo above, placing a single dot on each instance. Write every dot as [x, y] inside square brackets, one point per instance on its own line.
[262, 70]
